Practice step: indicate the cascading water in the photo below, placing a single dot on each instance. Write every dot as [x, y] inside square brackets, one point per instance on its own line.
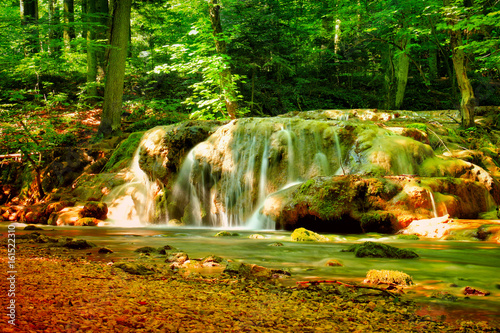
[225, 180]
[132, 203]
[231, 178]
[431, 196]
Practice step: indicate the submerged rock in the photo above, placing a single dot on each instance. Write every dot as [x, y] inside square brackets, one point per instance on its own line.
[379, 250]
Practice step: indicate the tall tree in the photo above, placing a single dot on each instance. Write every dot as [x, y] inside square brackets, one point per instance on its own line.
[226, 83]
[97, 16]
[29, 19]
[53, 27]
[468, 101]
[115, 73]
[69, 20]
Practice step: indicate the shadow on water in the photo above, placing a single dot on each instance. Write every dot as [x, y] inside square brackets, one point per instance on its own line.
[443, 266]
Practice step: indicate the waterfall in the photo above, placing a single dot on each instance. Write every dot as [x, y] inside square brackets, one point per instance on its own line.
[431, 196]
[132, 203]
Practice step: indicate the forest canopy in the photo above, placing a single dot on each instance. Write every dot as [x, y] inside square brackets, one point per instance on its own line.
[220, 59]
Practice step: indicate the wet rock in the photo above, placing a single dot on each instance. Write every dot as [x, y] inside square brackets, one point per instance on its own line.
[304, 235]
[245, 270]
[469, 291]
[104, 250]
[379, 250]
[213, 261]
[388, 277]
[87, 222]
[256, 236]
[333, 262]
[378, 221]
[444, 295]
[276, 244]
[177, 258]
[65, 168]
[408, 237]
[93, 187]
[98, 210]
[135, 269]
[146, 250]
[32, 227]
[175, 223]
[226, 234]
[164, 148]
[165, 249]
[78, 244]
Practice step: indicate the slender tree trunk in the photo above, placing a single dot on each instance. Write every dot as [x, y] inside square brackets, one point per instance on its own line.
[468, 101]
[53, 12]
[69, 20]
[91, 51]
[115, 74]
[226, 82]
[389, 78]
[402, 64]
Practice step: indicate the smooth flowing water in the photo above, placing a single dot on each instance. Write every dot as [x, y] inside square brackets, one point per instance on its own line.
[443, 265]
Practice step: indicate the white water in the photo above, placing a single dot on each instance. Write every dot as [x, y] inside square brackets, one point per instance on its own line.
[431, 196]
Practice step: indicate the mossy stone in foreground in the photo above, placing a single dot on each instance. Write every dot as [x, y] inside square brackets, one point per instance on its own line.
[133, 268]
[78, 244]
[304, 235]
[379, 250]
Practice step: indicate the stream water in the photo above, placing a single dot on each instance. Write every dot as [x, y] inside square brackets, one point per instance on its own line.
[443, 265]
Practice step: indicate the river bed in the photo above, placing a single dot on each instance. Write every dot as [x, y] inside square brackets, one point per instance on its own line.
[447, 266]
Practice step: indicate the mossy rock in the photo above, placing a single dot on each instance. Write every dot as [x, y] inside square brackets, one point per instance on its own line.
[98, 210]
[378, 221]
[78, 244]
[256, 236]
[388, 277]
[146, 250]
[276, 244]
[32, 227]
[135, 269]
[379, 250]
[213, 259]
[87, 222]
[165, 249]
[408, 237]
[104, 250]
[124, 153]
[226, 234]
[304, 235]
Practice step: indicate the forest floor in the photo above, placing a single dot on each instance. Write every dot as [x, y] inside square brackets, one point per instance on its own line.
[62, 290]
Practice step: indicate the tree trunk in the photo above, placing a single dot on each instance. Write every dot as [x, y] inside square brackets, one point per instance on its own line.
[389, 78]
[91, 51]
[29, 19]
[468, 101]
[115, 74]
[402, 65]
[69, 20]
[226, 82]
[53, 12]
